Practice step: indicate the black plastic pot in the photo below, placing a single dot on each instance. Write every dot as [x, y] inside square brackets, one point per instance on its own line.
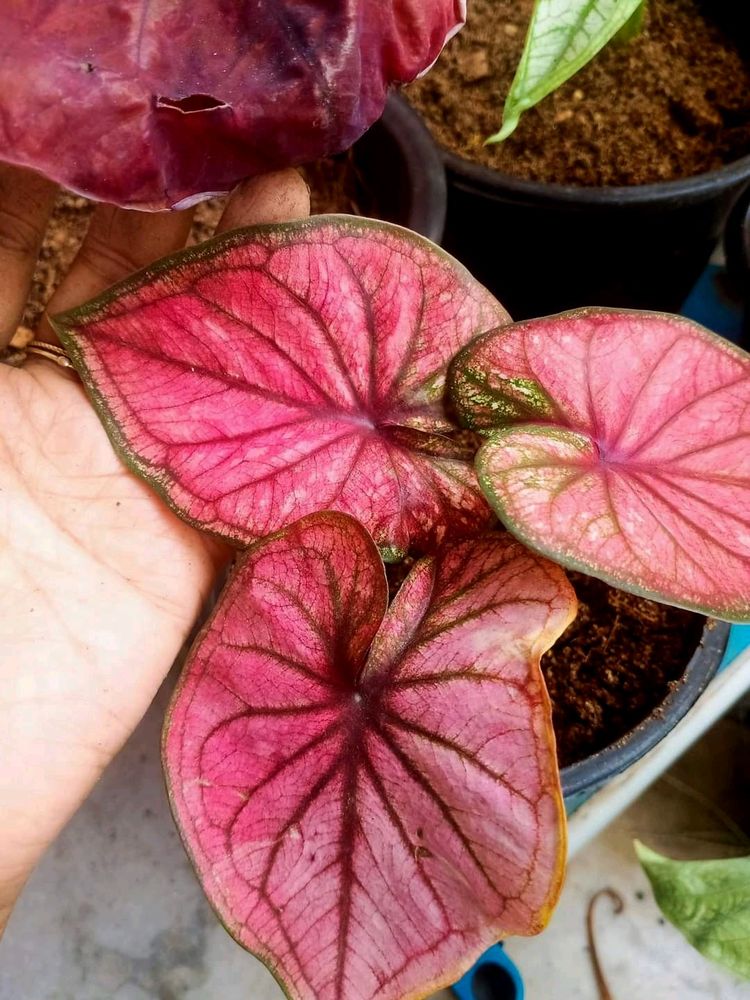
[544, 248]
[590, 773]
[400, 172]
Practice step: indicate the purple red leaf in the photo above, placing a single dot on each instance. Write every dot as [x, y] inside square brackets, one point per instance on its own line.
[289, 369]
[623, 450]
[154, 103]
[371, 801]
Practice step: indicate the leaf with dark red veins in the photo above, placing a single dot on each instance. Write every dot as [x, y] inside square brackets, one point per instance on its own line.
[287, 369]
[624, 450]
[368, 823]
[155, 103]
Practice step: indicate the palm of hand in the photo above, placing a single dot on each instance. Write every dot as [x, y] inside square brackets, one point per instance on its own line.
[106, 584]
[101, 583]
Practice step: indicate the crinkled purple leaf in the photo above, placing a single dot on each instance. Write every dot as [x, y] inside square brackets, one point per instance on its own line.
[371, 798]
[155, 103]
[624, 450]
[288, 369]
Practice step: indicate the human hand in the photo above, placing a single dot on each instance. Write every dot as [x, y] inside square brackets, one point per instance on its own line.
[100, 582]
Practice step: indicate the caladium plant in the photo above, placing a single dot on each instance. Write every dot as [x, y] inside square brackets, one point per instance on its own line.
[153, 104]
[370, 794]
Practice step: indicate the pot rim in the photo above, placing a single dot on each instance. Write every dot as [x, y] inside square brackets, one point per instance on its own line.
[598, 768]
[423, 174]
[696, 186]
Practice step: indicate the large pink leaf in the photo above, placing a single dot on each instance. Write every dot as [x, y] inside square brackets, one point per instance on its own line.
[153, 103]
[625, 450]
[371, 801]
[289, 369]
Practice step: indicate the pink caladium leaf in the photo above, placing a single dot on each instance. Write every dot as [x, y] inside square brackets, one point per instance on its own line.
[371, 797]
[154, 104]
[620, 446]
[287, 369]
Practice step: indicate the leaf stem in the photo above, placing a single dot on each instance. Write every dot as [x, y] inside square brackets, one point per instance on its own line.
[618, 906]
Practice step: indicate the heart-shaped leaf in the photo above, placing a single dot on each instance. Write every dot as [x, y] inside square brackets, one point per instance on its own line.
[624, 450]
[563, 36]
[371, 801]
[287, 369]
[155, 103]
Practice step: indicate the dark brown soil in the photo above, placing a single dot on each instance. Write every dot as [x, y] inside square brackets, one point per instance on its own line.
[616, 662]
[673, 102]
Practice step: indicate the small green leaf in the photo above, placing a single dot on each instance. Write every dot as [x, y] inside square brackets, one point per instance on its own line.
[563, 36]
[708, 901]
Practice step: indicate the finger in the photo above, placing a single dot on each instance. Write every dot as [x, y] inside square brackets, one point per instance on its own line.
[277, 197]
[26, 201]
[119, 241]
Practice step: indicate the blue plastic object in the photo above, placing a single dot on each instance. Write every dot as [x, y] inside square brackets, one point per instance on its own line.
[715, 304]
[493, 977]
[739, 639]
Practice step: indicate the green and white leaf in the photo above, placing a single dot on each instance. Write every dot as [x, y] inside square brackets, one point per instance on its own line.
[708, 901]
[563, 36]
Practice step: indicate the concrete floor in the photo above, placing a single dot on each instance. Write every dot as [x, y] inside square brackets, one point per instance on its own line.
[115, 912]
